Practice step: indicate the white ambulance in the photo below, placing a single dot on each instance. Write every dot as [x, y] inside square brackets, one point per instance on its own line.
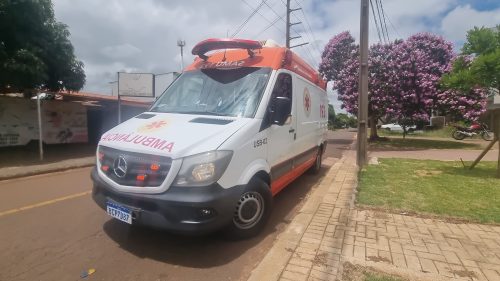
[241, 123]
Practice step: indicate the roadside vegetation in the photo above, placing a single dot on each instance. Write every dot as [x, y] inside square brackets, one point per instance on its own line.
[441, 133]
[352, 272]
[340, 120]
[415, 143]
[429, 187]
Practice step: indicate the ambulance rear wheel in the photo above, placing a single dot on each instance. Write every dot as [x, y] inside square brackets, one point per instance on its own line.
[251, 211]
[317, 163]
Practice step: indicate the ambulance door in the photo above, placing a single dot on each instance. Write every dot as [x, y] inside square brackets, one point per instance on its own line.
[281, 138]
[308, 125]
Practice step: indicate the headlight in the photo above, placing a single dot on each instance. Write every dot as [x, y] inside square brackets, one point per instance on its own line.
[203, 169]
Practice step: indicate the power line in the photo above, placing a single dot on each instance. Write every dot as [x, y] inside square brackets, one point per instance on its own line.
[271, 23]
[385, 24]
[248, 18]
[375, 19]
[269, 26]
[393, 27]
[380, 20]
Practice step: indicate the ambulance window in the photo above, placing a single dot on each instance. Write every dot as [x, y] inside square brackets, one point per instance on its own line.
[283, 86]
[225, 92]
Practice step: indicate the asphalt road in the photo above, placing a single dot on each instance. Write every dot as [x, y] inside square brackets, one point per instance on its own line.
[50, 229]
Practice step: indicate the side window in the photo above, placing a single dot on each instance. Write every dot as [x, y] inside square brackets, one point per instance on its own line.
[282, 88]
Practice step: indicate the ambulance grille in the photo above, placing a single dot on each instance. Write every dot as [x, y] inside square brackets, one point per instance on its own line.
[133, 169]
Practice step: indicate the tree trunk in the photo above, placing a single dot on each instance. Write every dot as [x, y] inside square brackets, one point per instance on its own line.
[373, 128]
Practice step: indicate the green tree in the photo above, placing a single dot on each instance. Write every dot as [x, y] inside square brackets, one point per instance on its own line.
[343, 120]
[479, 64]
[482, 41]
[35, 50]
[331, 116]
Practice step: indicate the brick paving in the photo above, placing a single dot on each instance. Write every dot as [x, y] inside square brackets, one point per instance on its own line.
[412, 247]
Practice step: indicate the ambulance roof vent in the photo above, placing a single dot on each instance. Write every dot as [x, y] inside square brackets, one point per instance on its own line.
[145, 116]
[214, 121]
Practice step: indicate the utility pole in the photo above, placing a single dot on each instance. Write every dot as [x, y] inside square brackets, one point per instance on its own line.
[181, 44]
[288, 25]
[363, 87]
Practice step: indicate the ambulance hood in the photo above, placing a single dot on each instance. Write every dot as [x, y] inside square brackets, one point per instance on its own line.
[172, 135]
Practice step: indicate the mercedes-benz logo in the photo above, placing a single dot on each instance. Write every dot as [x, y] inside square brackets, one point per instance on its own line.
[120, 166]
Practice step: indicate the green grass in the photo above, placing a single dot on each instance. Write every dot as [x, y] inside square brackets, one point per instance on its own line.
[411, 143]
[434, 187]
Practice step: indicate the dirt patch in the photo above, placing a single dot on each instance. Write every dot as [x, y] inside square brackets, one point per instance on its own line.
[426, 173]
[465, 273]
[320, 259]
[378, 259]
[352, 272]
[380, 215]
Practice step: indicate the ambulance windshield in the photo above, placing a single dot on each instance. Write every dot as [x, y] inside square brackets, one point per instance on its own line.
[224, 92]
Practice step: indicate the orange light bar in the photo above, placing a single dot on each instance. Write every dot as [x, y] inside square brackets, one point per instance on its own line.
[141, 177]
[105, 168]
[155, 167]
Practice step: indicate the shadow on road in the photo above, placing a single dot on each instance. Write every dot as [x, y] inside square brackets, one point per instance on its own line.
[212, 250]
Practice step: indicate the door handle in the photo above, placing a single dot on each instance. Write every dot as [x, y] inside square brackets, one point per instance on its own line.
[291, 131]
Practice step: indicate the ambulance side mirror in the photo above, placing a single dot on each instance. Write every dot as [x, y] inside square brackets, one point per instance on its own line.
[282, 110]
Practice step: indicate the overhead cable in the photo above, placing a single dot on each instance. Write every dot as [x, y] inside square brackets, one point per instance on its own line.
[248, 18]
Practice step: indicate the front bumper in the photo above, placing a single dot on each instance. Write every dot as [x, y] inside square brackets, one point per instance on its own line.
[187, 210]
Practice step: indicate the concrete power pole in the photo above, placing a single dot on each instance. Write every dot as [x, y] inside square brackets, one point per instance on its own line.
[363, 87]
[288, 25]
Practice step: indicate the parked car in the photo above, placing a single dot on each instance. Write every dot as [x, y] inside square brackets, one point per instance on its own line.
[393, 127]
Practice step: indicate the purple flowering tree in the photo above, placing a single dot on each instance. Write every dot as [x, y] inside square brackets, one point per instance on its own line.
[403, 76]
[336, 54]
[417, 66]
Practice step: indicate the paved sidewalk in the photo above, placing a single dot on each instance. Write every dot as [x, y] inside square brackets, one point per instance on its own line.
[329, 231]
[24, 171]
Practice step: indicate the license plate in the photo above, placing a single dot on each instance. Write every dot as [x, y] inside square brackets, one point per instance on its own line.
[119, 212]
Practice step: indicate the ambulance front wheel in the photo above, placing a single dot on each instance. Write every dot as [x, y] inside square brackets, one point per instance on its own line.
[252, 210]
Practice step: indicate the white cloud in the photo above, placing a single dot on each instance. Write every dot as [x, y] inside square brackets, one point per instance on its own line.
[117, 35]
[455, 24]
[120, 51]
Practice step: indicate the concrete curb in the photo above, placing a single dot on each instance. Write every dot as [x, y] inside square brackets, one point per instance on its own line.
[273, 264]
[25, 171]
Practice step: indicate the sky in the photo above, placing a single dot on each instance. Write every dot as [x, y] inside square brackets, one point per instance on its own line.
[141, 36]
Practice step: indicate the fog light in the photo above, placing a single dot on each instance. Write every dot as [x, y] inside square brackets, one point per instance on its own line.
[154, 167]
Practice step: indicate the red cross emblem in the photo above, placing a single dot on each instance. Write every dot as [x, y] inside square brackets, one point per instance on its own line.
[156, 125]
[307, 102]
[153, 126]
